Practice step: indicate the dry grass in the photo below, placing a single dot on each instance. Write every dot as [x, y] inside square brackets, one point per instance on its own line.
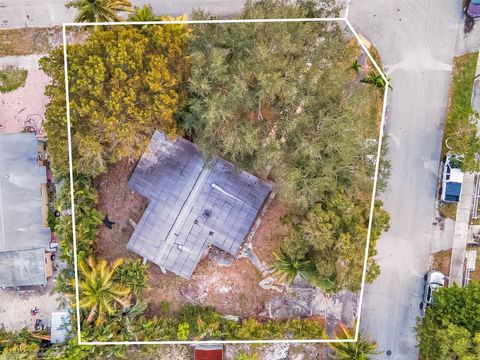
[448, 210]
[26, 41]
[441, 261]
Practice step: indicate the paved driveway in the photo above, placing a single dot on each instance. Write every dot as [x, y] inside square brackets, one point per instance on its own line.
[417, 41]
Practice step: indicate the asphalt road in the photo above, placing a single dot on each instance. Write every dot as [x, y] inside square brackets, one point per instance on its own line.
[44, 13]
[417, 42]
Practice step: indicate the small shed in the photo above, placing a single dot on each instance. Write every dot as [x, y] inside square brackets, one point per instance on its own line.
[208, 352]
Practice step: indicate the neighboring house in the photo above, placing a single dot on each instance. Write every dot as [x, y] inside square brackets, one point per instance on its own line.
[193, 205]
[452, 180]
[24, 236]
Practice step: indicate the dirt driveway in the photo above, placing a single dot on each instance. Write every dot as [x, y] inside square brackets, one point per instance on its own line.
[15, 307]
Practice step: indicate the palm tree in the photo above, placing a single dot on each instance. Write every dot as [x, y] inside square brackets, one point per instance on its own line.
[98, 291]
[359, 350]
[376, 80]
[100, 10]
[287, 268]
[142, 14]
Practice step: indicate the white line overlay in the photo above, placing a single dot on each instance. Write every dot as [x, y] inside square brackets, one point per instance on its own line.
[372, 205]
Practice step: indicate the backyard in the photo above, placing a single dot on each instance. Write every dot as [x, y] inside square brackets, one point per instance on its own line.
[231, 288]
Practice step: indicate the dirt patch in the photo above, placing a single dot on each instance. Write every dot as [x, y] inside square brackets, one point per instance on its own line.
[26, 41]
[267, 237]
[230, 289]
[120, 204]
[441, 261]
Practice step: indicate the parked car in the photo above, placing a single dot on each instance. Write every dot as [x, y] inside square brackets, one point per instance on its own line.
[452, 179]
[472, 8]
[433, 281]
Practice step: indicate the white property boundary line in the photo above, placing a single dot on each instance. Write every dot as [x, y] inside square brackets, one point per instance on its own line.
[372, 206]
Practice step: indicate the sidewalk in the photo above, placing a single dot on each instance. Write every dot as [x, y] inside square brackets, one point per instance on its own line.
[460, 237]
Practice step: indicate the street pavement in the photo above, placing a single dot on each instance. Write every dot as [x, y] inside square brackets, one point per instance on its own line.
[416, 41]
[45, 13]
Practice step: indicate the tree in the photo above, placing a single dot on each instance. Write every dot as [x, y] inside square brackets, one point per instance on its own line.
[287, 268]
[133, 275]
[94, 11]
[98, 292]
[451, 327]
[142, 14]
[277, 102]
[124, 84]
[358, 350]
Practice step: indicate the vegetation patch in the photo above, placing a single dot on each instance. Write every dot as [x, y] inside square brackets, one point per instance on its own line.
[451, 327]
[12, 78]
[441, 261]
[460, 136]
[448, 210]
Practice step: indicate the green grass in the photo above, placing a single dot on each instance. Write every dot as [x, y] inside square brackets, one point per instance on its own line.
[460, 130]
[11, 78]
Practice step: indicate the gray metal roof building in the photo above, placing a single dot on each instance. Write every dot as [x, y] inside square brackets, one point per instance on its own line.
[23, 237]
[192, 205]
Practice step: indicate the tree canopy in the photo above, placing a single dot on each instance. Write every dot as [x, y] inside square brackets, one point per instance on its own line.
[124, 84]
[451, 327]
[281, 100]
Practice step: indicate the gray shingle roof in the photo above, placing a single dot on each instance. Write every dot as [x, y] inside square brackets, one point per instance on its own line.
[21, 226]
[192, 205]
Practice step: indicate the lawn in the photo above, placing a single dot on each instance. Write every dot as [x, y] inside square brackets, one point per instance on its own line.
[460, 125]
[12, 78]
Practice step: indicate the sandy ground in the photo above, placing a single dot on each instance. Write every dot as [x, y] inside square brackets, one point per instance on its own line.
[15, 307]
[27, 102]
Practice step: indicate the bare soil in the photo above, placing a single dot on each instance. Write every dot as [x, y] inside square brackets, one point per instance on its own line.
[441, 261]
[26, 41]
[231, 289]
[267, 237]
[120, 204]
